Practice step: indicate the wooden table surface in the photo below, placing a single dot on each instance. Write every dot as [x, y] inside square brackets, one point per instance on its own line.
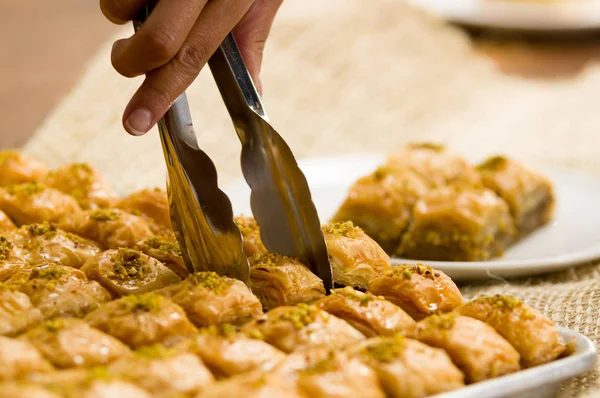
[48, 57]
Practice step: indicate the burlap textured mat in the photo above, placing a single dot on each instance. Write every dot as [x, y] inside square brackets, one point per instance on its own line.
[353, 76]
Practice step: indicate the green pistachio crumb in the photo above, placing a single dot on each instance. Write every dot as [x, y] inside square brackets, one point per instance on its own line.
[163, 244]
[300, 316]
[386, 350]
[45, 230]
[105, 215]
[5, 248]
[129, 264]
[28, 189]
[148, 302]
[342, 229]
[209, 280]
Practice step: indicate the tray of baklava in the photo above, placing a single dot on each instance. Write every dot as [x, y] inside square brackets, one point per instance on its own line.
[478, 219]
[96, 301]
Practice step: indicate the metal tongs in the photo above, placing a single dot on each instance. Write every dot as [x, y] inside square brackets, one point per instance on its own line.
[281, 202]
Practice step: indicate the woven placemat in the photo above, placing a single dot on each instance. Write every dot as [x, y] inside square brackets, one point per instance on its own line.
[345, 77]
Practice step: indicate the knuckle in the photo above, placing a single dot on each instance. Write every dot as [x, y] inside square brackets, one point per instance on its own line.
[191, 58]
[157, 98]
[162, 45]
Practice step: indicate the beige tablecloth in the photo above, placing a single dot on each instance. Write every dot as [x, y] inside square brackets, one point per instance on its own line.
[351, 76]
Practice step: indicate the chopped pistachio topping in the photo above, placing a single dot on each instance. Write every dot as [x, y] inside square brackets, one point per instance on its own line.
[407, 271]
[209, 280]
[148, 302]
[300, 315]
[247, 225]
[503, 302]
[45, 230]
[9, 286]
[129, 264]
[493, 163]
[105, 215]
[8, 155]
[440, 321]
[51, 272]
[5, 248]
[53, 325]
[224, 330]
[363, 298]
[163, 244]
[78, 240]
[28, 189]
[270, 260]
[156, 351]
[256, 334]
[98, 373]
[427, 145]
[341, 229]
[386, 350]
[329, 364]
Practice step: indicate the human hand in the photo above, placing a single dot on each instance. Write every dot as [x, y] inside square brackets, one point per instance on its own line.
[176, 42]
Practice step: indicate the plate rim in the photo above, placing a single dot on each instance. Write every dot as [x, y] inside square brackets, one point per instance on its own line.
[541, 16]
[469, 270]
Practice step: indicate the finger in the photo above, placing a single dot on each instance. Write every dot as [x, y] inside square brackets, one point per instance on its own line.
[252, 32]
[121, 11]
[162, 86]
[159, 39]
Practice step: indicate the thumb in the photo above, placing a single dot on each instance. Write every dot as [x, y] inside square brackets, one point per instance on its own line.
[251, 35]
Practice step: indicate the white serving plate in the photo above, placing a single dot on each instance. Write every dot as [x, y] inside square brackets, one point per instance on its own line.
[573, 238]
[540, 382]
[542, 15]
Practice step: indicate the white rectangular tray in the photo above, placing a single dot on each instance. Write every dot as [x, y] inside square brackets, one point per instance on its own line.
[539, 382]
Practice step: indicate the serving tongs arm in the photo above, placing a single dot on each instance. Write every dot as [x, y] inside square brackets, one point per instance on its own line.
[280, 197]
[201, 213]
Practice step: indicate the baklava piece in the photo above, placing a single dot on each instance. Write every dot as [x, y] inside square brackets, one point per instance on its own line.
[475, 347]
[255, 384]
[407, 368]
[279, 280]
[435, 164]
[529, 195]
[111, 228]
[140, 320]
[458, 224]
[17, 314]
[211, 299]
[83, 183]
[228, 352]
[71, 343]
[6, 223]
[419, 290]
[9, 260]
[355, 258]
[16, 168]
[152, 205]
[35, 203]
[293, 328]
[369, 314]
[160, 370]
[250, 230]
[19, 359]
[44, 243]
[128, 271]
[165, 249]
[22, 389]
[381, 203]
[532, 334]
[94, 382]
[58, 290]
[321, 372]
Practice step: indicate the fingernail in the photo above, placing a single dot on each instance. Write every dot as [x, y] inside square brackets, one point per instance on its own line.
[139, 121]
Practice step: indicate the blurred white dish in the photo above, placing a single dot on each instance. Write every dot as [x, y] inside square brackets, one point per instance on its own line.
[571, 239]
[542, 15]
